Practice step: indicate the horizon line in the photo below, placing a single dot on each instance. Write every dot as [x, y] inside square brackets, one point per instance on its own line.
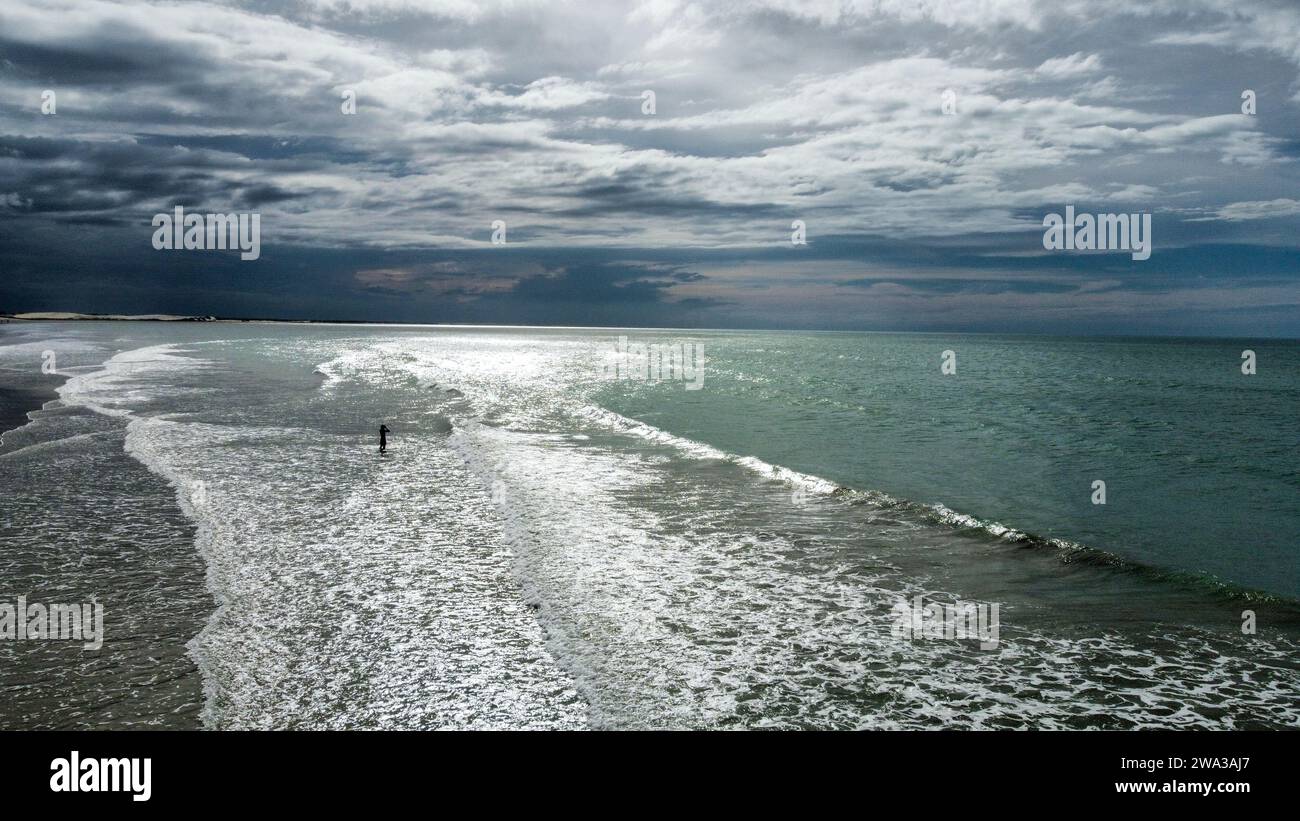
[76, 316]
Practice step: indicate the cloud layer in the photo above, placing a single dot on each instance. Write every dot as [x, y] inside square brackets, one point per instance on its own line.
[920, 142]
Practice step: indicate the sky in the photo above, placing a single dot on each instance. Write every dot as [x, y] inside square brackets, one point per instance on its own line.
[919, 143]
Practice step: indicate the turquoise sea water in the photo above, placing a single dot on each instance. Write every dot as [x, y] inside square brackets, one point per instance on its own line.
[545, 547]
[1199, 460]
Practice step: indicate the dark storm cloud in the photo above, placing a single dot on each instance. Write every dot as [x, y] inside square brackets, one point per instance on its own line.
[106, 55]
[944, 285]
[128, 178]
[258, 147]
[619, 283]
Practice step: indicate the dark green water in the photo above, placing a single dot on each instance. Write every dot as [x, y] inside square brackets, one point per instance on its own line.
[1199, 460]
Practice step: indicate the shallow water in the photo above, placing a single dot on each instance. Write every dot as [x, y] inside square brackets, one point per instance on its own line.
[545, 548]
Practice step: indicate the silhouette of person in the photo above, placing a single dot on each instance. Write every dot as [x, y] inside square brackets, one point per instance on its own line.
[383, 438]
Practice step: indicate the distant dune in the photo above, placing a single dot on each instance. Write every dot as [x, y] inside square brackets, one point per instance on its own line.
[47, 315]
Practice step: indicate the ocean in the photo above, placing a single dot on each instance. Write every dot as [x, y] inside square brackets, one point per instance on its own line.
[546, 547]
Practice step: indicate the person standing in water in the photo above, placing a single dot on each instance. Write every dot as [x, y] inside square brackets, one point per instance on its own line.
[383, 438]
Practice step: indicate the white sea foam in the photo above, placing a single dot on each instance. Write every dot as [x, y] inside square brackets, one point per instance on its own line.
[673, 596]
[51, 444]
[117, 387]
[638, 608]
[699, 450]
[313, 590]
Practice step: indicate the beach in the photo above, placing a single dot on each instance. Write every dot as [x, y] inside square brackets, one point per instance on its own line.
[557, 540]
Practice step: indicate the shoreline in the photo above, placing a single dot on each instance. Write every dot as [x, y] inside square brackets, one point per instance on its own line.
[67, 316]
[146, 664]
[16, 405]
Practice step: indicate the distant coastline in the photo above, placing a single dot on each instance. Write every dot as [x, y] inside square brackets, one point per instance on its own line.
[72, 316]
[46, 316]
